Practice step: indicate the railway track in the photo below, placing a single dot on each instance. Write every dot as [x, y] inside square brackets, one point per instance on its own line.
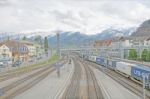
[126, 82]
[25, 83]
[92, 89]
[11, 74]
[72, 92]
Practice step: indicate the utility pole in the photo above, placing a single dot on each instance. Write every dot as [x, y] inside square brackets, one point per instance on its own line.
[58, 43]
[18, 48]
[144, 87]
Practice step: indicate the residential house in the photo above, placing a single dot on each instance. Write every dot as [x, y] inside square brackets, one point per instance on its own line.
[31, 48]
[14, 50]
[5, 53]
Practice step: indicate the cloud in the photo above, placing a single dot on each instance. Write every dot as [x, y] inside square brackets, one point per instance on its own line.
[71, 15]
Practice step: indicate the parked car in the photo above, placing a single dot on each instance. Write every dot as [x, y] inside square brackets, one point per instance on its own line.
[17, 63]
[5, 63]
[1, 64]
[31, 60]
[38, 58]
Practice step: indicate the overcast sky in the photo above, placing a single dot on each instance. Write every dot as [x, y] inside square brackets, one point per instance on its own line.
[86, 16]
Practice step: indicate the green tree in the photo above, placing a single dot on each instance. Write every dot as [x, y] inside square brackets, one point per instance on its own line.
[38, 39]
[46, 45]
[24, 38]
[148, 56]
[144, 54]
[132, 54]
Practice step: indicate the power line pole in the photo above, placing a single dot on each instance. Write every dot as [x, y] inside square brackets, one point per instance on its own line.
[18, 47]
[58, 43]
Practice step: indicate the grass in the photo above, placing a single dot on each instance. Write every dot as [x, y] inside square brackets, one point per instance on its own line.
[50, 61]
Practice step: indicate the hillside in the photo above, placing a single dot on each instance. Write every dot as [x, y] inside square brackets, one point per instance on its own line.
[143, 30]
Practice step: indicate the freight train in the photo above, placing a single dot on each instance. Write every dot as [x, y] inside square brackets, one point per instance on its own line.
[135, 72]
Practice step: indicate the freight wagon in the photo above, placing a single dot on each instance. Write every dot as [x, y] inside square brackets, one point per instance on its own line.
[80, 55]
[111, 64]
[133, 71]
[140, 72]
[86, 57]
[101, 61]
[124, 68]
[92, 58]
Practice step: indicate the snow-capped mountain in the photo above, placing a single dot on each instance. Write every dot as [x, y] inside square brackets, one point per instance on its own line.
[77, 38]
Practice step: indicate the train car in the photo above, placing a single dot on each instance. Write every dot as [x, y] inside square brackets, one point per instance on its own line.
[80, 55]
[124, 68]
[86, 57]
[92, 58]
[101, 61]
[111, 64]
[138, 72]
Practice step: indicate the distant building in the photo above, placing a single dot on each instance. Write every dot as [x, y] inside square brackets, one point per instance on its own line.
[119, 46]
[140, 41]
[130, 41]
[102, 43]
[31, 48]
[5, 52]
[14, 50]
[39, 50]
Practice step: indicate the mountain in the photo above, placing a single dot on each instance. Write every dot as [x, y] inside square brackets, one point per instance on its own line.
[69, 38]
[110, 33]
[74, 39]
[143, 30]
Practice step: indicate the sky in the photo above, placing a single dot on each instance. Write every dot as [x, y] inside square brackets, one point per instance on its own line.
[85, 16]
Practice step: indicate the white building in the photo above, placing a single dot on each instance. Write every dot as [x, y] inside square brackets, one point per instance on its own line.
[5, 52]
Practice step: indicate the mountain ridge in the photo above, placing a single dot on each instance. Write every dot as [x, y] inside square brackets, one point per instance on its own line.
[75, 39]
[143, 29]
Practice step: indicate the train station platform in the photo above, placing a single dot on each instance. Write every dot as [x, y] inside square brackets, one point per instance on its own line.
[51, 86]
[112, 89]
